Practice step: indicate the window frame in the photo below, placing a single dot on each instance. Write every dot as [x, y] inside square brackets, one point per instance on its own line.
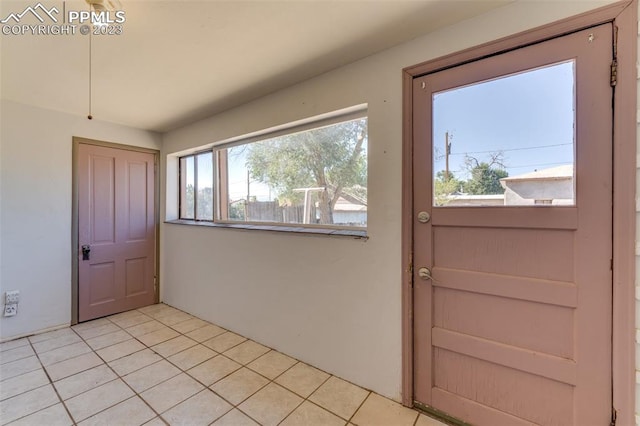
[182, 191]
[220, 175]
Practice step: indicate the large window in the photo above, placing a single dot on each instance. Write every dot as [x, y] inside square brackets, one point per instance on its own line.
[311, 175]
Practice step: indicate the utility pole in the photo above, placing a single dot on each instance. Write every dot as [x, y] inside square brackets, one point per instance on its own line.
[447, 150]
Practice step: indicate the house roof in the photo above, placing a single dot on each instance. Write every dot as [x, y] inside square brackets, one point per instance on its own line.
[553, 173]
[343, 205]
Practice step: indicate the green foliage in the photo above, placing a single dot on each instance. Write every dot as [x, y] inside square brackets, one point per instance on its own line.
[331, 157]
[445, 186]
[205, 203]
[485, 180]
[189, 201]
[237, 211]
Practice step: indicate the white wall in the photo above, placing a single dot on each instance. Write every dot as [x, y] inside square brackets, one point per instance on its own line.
[35, 189]
[332, 302]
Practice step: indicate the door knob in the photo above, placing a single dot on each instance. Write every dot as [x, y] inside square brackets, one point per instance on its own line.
[86, 249]
[424, 217]
[424, 273]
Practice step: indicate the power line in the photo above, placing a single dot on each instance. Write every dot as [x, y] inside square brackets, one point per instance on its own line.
[513, 149]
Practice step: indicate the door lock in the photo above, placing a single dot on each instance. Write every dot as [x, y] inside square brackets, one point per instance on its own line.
[86, 249]
[424, 273]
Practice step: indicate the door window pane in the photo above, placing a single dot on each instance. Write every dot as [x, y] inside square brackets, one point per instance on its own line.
[507, 141]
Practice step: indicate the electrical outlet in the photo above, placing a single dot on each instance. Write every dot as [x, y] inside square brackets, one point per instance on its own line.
[12, 297]
[10, 309]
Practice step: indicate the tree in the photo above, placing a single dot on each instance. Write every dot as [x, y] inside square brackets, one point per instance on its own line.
[189, 200]
[329, 157]
[237, 210]
[445, 186]
[204, 199]
[205, 203]
[485, 176]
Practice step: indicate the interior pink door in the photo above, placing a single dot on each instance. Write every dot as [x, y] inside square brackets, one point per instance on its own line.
[512, 303]
[117, 230]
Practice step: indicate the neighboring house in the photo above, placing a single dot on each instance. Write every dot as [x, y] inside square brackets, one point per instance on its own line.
[552, 186]
[350, 212]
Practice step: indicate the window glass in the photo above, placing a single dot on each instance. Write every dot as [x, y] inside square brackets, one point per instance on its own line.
[187, 181]
[311, 177]
[196, 186]
[205, 186]
[507, 141]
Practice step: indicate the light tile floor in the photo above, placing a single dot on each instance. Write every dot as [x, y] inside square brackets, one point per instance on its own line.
[158, 365]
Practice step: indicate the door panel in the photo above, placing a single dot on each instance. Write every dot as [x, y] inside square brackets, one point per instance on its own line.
[102, 202]
[512, 324]
[506, 391]
[116, 219]
[548, 327]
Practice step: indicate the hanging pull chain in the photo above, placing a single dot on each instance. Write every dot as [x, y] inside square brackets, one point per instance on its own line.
[90, 117]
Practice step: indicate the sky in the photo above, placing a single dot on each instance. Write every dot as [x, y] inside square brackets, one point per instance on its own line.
[238, 178]
[528, 116]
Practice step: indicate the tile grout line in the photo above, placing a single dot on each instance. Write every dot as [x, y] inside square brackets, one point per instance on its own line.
[163, 358]
[159, 309]
[94, 351]
[15, 349]
[166, 358]
[359, 407]
[135, 393]
[277, 384]
[73, 421]
[234, 406]
[118, 377]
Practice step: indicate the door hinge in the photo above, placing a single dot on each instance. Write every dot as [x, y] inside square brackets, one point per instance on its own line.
[614, 417]
[155, 284]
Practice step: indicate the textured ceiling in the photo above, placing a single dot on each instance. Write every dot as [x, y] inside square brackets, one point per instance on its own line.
[179, 61]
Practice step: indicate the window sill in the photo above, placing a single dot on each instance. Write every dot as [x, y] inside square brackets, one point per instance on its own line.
[349, 233]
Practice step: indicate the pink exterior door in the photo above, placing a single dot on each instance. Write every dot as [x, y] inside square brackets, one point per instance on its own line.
[512, 295]
[117, 230]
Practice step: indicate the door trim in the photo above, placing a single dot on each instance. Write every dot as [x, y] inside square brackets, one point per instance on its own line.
[623, 15]
[74, 214]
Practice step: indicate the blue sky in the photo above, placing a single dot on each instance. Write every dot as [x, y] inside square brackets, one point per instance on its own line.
[527, 116]
[237, 160]
[520, 115]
